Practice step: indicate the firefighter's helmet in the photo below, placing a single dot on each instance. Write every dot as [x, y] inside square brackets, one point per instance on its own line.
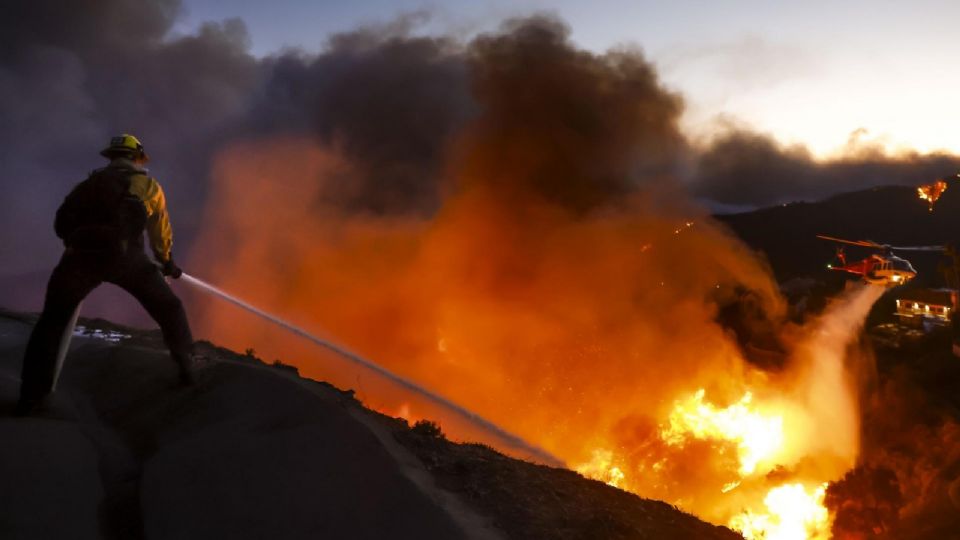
[124, 145]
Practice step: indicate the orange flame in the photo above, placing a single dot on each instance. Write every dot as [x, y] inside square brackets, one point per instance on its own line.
[793, 513]
[931, 192]
[601, 467]
[788, 511]
[757, 435]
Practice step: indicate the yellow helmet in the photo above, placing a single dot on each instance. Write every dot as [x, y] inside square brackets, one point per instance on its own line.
[124, 144]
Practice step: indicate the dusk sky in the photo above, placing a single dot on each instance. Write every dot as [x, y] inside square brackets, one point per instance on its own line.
[812, 72]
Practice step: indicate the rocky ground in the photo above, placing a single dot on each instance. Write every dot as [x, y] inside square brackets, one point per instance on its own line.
[255, 451]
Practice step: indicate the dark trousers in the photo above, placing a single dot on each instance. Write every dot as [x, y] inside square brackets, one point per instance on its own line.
[76, 275]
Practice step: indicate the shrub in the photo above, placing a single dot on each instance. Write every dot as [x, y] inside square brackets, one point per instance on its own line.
[428, 428]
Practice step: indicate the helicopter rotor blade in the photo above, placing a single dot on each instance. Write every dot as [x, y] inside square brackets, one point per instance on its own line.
[917, 248]
[861, 243]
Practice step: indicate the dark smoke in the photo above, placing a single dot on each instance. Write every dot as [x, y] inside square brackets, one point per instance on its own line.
[390, 102]
[748, 168]
[582, 130]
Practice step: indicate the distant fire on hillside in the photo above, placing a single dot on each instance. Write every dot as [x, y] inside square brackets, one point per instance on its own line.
[931, 192]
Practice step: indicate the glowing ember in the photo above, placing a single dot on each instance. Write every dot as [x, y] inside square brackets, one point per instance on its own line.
[758, 436]
[686, 225]
[793, 513]
[601, 468]
[931, 192]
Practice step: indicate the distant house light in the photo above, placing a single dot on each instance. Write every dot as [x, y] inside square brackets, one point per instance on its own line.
[926, 307]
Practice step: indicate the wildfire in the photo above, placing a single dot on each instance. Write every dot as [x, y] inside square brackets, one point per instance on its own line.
[758, 436]
[601, 467]
[931, 192]
[555, 325]
[790, 511]
[540, 277]
[793, 513]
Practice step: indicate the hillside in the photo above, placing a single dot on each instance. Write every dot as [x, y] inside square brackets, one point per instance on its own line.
[255, 451]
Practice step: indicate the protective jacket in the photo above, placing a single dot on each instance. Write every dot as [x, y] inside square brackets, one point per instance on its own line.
[110, 210]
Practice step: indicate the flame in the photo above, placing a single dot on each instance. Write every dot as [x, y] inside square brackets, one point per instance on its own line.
[601, 467]
[758, 436]
[789, 511]
[793, 513]
[761, 464]
[931, 192]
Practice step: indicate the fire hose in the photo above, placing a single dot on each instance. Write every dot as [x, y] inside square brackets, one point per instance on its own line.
[509, 439]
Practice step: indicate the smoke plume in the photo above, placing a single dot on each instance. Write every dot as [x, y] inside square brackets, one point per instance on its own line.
[745, 168]
[387, 101]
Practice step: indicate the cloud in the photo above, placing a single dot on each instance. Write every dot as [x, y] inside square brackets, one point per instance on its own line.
[743, 167]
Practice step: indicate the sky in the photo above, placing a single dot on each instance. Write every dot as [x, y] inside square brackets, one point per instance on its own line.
[815, 73]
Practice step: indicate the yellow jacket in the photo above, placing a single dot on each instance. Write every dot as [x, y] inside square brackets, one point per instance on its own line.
[148, 190]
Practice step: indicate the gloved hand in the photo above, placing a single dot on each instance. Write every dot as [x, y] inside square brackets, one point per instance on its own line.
[171, 269]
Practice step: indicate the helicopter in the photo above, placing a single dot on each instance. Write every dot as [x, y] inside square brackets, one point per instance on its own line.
[885, 269]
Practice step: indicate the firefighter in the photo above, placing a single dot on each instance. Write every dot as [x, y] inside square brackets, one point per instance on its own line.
[101, 223]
